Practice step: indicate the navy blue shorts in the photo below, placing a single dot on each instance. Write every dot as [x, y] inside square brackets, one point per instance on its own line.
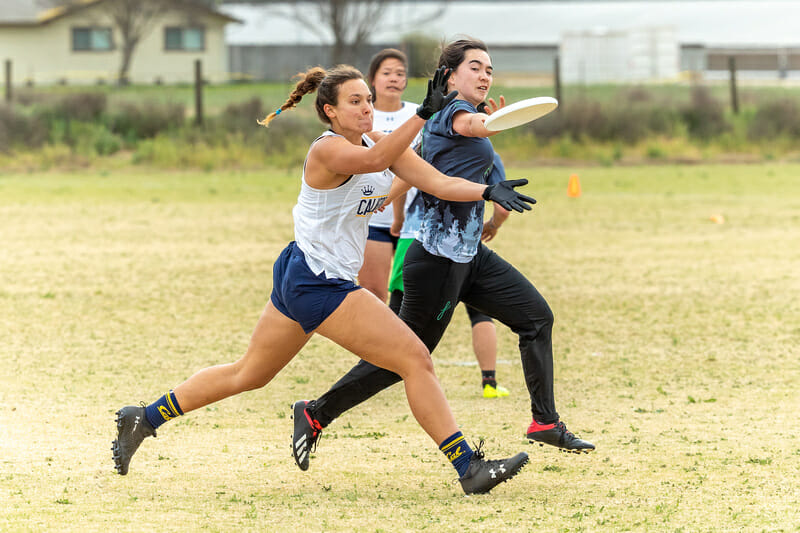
[301, 295]
[382, 235]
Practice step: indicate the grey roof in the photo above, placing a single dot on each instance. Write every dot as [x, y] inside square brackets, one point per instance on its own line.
[21, 11]
[707, 22]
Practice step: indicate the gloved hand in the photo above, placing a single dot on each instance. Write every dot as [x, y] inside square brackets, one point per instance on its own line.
[504, 194]
[436, 99]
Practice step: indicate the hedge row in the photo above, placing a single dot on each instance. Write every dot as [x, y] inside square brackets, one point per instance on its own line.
[86, 123]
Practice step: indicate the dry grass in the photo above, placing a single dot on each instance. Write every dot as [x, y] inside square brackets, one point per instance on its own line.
[676, 348]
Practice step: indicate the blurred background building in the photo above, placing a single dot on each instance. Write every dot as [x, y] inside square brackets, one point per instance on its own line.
[596, 41]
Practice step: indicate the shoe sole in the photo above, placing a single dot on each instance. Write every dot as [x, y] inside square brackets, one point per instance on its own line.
[577, 451]
[115, 448]
[297, 460]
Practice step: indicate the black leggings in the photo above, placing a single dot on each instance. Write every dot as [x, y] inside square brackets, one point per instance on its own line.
[433, 286]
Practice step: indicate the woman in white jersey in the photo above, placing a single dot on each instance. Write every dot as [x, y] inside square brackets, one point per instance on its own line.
[345, 180]
[387, 79]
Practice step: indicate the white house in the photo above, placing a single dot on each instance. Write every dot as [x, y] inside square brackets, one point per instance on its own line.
[80, 44]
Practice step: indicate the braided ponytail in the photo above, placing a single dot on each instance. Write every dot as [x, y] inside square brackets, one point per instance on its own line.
[326, 83]
[308, 83]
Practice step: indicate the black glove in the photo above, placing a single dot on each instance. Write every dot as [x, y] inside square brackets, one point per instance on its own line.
[504, 194]
[435, 99]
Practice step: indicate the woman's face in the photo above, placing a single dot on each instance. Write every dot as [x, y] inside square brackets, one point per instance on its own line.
[473, 77]
[353, 110]
[390, 79]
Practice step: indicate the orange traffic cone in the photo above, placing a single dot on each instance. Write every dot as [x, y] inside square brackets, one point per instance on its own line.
[574, 187]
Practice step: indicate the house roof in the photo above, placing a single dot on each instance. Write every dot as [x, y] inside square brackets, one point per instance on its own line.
[38, 12]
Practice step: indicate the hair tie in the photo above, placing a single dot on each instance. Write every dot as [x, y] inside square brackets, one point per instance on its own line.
[278, 112]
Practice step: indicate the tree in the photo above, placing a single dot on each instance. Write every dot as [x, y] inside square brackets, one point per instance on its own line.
[349, 24]
[133, 19]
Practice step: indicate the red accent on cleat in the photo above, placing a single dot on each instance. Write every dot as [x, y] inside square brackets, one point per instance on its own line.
[536, 426]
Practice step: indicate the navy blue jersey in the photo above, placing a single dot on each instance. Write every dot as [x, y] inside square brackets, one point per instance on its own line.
[453, 229]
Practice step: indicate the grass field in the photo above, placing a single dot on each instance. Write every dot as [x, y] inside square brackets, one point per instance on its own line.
[676, 352]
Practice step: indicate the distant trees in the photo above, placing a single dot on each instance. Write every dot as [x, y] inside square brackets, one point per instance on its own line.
[349, 24]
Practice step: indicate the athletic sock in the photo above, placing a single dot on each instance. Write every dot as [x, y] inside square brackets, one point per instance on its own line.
[457, 451]
[489, 378]
[163, 409]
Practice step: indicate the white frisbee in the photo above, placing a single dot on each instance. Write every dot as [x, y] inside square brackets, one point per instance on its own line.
[520, 113]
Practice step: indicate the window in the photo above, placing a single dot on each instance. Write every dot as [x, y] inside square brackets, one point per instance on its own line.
[91, 39]
[190, 39]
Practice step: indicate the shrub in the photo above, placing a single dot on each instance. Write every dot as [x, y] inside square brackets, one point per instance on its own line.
[241, 117]
[17, 129]
[145, 120]
[773, 119]
[704, 116]
[82, 106]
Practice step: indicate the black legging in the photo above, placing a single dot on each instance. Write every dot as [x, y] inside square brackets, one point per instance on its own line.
[433, 286]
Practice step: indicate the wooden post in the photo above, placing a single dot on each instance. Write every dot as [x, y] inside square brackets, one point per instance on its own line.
[9, 94]
[734, 95]
[557, 81]
[198, 92]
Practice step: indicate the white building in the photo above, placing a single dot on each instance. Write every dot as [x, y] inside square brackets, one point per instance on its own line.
[643, 36]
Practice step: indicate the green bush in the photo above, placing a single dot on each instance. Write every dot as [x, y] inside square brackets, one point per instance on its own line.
[145, 120]
[241, 117]
[17, 129]
[704, 115]
[774, 119]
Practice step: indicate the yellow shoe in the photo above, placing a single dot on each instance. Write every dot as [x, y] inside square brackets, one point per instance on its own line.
[494, 392]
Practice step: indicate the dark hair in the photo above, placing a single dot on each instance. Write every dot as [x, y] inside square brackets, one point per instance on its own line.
[375, 64]
[326, 83]
[453, 54]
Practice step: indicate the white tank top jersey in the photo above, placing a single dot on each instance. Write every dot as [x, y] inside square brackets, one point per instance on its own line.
[387, 122]
[330, 225]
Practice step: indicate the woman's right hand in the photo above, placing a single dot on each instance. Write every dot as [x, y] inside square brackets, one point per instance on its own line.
[436, 99]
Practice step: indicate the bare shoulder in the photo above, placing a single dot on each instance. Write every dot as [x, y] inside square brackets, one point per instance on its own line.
[376, 135]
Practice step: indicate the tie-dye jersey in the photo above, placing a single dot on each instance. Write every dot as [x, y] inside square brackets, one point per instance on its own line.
[414, 204]
[453, 229]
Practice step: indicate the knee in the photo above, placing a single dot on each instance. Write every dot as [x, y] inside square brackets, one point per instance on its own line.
[419, 360]
[246, 378]
[542, 322]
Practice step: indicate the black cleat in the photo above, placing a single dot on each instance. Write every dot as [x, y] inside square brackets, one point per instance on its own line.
[557, 435]
[306, 432]
[132, 428]
[482, 475]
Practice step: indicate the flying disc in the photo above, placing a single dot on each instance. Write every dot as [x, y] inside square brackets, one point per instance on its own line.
[520, 113]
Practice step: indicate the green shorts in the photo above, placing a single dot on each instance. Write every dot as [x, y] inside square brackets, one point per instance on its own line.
[396, 279]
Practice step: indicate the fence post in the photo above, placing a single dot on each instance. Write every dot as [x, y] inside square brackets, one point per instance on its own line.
[734, 94]
[198, 92]
[9, 94]
[557, 81]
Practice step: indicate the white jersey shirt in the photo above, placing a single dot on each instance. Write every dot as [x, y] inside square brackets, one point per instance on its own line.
[330, 225]
[387, 122]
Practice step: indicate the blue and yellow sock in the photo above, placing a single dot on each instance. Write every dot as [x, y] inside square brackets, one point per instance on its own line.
[457, 451]
[163, 409]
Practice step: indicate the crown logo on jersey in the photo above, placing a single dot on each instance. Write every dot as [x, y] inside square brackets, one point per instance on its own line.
[367, 190]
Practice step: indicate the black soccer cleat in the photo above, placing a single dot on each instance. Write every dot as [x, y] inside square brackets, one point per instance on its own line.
[557, 435]
[307, 431]
[132, 428]
[482, 475]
